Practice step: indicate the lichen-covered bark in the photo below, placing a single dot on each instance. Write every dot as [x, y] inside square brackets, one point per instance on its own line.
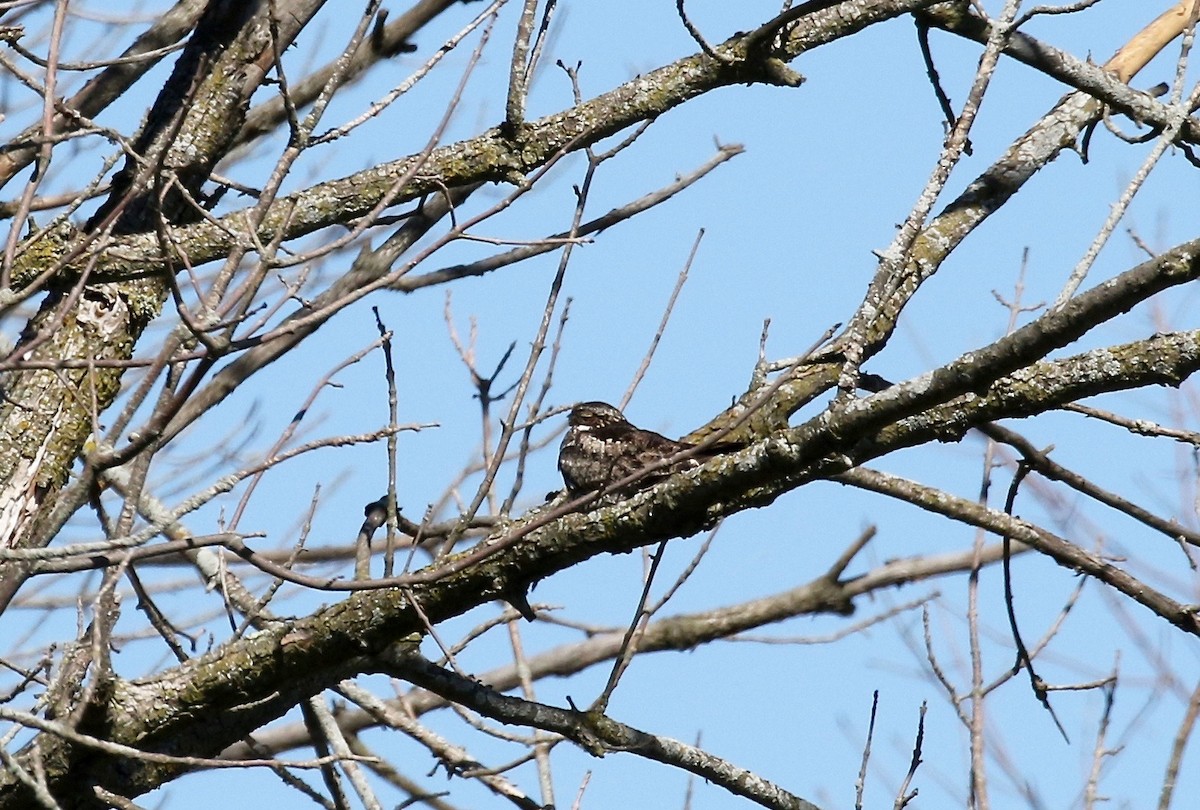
[201, 110]
[204, 705]
[496, 155]
[894, 286]
[51, 407]
[108, 86]
[200, 707]
[48, 413]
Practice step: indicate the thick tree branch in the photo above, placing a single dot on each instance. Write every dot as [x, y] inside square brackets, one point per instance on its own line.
[1062, 551]
[201, 706]
[594, 732]
[494, 155]
[894, 285]
[1106, 83]
[223, 696]
[109, 84]
[49, 412]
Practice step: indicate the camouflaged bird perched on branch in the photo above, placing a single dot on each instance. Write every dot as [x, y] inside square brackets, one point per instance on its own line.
[602, 447]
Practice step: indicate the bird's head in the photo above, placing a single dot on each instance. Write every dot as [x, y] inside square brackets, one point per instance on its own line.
[594, 414]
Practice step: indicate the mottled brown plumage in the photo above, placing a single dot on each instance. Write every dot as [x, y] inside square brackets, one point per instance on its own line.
[601, 447]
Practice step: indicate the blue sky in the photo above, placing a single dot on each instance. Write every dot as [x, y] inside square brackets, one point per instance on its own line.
[830, 168]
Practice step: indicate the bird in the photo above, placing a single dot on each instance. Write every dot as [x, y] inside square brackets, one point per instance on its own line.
[601, 447]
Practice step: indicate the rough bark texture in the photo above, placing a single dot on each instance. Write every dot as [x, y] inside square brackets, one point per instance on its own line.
[105, 283]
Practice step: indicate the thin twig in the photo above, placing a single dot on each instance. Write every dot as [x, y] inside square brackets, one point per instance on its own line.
[861, 783]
